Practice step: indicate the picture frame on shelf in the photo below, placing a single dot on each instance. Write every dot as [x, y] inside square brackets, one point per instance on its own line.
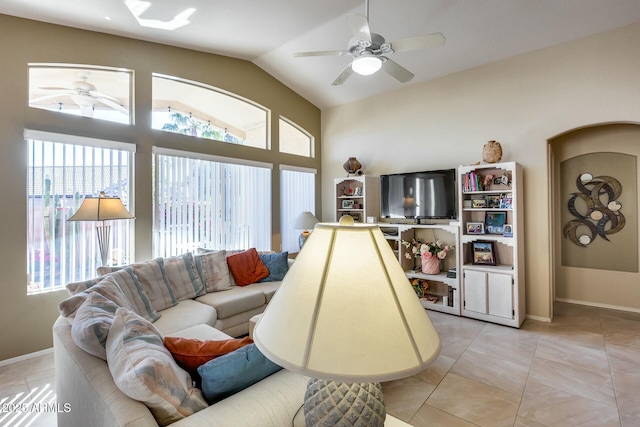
[506, 202]
[478, 203]
[357, 192]
[475, 228]
[347, 204]
[508, 230]
[494, 222]
[484, 252]
[494, 202]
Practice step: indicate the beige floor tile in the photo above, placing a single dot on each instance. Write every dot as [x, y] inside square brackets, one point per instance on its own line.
[523, 422]
[404, 397]
[433, 417]
[627, 388]
[563, 336]
[506, 343]
[475, 402]
[505, 375]
[437, 370]
[629, 420]
[585, 357]
[592, 384]
[552, 407]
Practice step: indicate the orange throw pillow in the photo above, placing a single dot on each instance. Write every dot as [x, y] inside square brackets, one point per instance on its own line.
[247, 267]
[192, 353]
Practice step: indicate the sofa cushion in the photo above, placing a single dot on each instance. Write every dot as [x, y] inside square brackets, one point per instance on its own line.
[128, 283]
[75, 287]
[213, 270]
[192, 353]
[247, 267]
[152, 277]
[106, 288]
[145, 370]
[235, 300]
[183, 276]
[92, 323]
[187, 313]
[200, 332]
[277, 264]
[233, 372]
[268, 288]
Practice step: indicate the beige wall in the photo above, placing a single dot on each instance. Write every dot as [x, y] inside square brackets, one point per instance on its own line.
[26, 320]
[521, 102]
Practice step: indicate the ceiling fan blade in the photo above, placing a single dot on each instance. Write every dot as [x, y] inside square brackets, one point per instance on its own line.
[113, 105]
[397, 71]
[322, 53]
[102, 95]
[360, 28]
[45, 97]
[344, 75]
[420, 42]
[57, 88]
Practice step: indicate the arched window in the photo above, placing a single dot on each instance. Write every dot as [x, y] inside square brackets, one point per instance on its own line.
[82, 90]
[202, 111]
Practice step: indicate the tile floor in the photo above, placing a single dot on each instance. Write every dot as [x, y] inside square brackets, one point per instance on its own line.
[583, 369]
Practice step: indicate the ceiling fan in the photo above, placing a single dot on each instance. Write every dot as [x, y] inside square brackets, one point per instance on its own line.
[84, 94]
[369, 50]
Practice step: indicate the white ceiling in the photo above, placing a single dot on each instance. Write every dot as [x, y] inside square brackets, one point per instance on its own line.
[269, 32]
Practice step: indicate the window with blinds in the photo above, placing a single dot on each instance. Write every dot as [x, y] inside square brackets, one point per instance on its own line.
[297, 194]
[212, 202]
[62, 171]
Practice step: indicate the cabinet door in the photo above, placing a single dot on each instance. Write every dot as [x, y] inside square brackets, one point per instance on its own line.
[500, 291]
[475, 291]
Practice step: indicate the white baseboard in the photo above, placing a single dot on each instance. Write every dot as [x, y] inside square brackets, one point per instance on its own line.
[595, 304]
[538, 318]
[26, 357]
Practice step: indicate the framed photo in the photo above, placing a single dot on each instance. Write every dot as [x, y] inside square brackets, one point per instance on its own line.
[506, 203]
[494, 222]
[357, 192]
[493, 202]
[483, 253]
[478, 203]
[508, 230]
[347, 204]
[475, 228]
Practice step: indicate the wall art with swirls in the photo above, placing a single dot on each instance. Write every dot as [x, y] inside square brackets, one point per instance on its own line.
[599, 211]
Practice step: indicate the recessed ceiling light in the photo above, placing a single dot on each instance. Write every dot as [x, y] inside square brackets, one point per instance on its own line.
[138, 7]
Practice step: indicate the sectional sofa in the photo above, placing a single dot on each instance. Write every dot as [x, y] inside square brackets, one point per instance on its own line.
[209, 296]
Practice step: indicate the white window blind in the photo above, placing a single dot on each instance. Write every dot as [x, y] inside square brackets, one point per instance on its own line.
[62, 171]
[206, 202]
[297, 194]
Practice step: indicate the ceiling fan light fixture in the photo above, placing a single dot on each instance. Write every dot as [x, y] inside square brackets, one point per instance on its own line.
[366, 65]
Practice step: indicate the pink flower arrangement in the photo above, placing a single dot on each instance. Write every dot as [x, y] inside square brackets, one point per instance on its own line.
[419, 249]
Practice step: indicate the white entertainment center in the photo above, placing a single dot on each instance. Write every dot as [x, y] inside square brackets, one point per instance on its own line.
[483, 277]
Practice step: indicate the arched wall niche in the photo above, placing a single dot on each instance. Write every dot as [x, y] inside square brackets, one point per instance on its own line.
[601, 269]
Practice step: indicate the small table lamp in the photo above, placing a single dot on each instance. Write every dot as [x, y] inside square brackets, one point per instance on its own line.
[101, 209]
[345, 312]
[305, 222]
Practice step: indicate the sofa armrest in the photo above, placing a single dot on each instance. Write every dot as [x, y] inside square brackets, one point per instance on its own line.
[85, 383]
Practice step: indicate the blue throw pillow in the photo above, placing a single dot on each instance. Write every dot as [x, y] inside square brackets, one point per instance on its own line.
[277, 264]
[233, 372]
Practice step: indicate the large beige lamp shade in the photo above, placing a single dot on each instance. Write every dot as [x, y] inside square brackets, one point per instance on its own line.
[346, 312]
[101, 209]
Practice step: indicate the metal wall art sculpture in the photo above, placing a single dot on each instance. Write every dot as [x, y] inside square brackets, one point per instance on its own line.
[596, 209]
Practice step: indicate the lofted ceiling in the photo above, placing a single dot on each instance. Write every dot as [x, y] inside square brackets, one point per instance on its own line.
[268, 33]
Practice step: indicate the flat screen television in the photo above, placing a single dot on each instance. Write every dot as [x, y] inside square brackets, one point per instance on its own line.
[419, 195]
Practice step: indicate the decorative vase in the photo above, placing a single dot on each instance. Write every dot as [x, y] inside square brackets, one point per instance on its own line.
[431, 265]
[352, 165]
[492, 152]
